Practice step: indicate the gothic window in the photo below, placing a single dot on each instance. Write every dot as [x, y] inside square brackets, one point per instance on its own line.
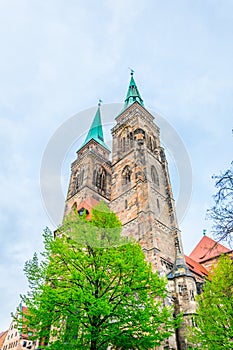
[94, 177]
[150, 143]
[74, 207]
[191, 294]
[154, 176]
[78, 179]
[81, 175]
[123, 144]
[131, 139]
[76, 182]
[126, 175]
[139, 134]
[180, 289]
[100, 178]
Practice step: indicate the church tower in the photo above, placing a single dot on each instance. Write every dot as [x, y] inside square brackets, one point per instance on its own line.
[90, 179]
[141, 196]
[141, 192]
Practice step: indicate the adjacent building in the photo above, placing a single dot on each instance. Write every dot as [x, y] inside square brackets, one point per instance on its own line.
[15, 338]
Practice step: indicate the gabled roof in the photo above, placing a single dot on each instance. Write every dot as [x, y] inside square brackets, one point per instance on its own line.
[207, 249]
[195, 267]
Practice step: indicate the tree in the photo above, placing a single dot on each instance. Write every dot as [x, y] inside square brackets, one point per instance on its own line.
[214, 319]
[222, 211]
[95, 289]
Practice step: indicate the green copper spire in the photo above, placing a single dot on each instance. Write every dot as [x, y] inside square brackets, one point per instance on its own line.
[133, 93]
[96, 130]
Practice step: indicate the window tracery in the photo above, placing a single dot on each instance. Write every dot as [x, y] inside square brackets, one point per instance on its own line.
[100, 178]
[126, 175]
[78, 179]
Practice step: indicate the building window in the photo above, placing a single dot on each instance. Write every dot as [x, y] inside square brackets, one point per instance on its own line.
[78, 179]
[126, 175]
[82, 211]
[158, 206]
[100, 179]
[154, 176]
[74, 207]
[123, 144]
[191, 295]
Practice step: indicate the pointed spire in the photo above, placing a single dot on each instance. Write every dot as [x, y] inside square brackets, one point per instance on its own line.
[180, 267]
[133, 94]
[96, 131]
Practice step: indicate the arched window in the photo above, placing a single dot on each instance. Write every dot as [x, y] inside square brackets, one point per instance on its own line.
[126, 175]
[154, 176]
[81, 175]
[123, 144]
[131, 139]
[74, 207]
[78, 179]
[100, 178]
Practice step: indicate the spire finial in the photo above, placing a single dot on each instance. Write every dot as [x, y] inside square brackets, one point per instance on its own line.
[99, 102]
[131, 71]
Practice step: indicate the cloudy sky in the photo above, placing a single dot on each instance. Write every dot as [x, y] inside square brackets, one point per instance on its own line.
[58, 57]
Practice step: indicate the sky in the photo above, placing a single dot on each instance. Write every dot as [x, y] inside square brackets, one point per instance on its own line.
[59, 57]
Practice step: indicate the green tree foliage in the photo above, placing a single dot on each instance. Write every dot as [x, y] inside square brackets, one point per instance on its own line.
[94, 289]
[222, 211]
[214, 319]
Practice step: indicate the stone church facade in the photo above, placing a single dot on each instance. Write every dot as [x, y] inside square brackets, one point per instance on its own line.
[136, 186]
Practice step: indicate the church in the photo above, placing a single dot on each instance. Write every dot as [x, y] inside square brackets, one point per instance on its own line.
[136, 186]
[134, 182]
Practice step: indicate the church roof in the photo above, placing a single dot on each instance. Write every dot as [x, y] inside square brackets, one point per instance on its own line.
[96, 131]
[207, 249]
[180, 267]
[133, 94]
[196, 267]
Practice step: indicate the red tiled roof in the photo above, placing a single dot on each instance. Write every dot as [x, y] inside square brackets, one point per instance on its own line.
[206, 249]
[2, 338]
[195, 267]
